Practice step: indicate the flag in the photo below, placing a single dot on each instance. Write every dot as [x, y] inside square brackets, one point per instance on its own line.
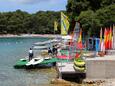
[100, 35]
[64, 24]
[105, 38]
[55, 26]
[79, 42]
[113, 38]
[102, 47]
[110, 38]
[101, 39]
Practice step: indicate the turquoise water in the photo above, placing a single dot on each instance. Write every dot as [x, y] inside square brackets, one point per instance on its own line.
[11, 50]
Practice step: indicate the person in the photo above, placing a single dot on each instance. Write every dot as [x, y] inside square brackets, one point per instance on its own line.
[58, 51]
[49, 51]
[30, 54]
[54, 50]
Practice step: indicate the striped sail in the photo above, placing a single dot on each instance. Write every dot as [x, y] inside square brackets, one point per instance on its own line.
[64, 24]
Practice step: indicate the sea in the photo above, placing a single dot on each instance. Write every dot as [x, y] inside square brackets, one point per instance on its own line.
[11, 50]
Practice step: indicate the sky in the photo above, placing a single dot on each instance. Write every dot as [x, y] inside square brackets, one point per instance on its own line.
[32, 6]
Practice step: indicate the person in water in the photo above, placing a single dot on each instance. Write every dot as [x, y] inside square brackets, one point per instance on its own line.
[30, 54]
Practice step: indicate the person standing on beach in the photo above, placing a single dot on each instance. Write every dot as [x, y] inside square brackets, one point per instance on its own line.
[30, 54]
[54, 50]
[49, 51]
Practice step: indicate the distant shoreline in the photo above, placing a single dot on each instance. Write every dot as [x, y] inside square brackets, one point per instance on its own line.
[30, 35]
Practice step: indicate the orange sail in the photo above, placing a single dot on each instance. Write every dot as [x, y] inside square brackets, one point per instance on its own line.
[79, 43]
[110, 38]
[107, 41]
[105, 38]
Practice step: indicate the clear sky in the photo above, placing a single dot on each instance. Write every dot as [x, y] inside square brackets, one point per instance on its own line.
[32, 6]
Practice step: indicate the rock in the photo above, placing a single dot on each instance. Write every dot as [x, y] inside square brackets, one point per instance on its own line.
[61, 82]
[101, 54]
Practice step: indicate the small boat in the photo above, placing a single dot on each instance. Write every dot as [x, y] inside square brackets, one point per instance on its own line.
[40, 47]
[38, 63]
[21, 63]
[47, 63]
[46, 42]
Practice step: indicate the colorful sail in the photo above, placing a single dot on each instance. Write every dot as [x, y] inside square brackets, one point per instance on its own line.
[110, 38]
[105, 38]
[64, 24]
[100, 35]
[71, 40]
[113, 38]
[100, 39]
[55, 26]
[79, 42]
[107, 41]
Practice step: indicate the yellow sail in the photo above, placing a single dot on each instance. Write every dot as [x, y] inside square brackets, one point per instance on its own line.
[55, 25]
[64, 24]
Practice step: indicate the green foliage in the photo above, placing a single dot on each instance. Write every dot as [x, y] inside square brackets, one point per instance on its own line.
[89, 22]
[92, 14]
[106, 15]
[19, 22]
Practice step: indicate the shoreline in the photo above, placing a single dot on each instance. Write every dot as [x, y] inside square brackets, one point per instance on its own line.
[30, 35]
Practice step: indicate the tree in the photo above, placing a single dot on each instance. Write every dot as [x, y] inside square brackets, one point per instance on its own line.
[19, 22]
[92, 14]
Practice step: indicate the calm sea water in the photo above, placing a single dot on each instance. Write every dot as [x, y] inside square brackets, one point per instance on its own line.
[11, 50]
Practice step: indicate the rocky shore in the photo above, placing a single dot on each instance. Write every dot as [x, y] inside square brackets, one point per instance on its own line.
[61, 82]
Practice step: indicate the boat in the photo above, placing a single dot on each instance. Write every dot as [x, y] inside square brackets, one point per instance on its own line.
[34, 63]
[40, 47]
[41, 63]
[46, 42]
[21, 63]
[51, 62]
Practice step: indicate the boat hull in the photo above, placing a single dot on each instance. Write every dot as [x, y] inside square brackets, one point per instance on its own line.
[40, 66]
